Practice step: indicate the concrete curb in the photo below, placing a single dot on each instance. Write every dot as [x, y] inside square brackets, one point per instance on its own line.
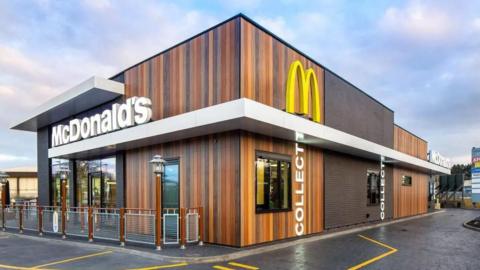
[470, 227]
[231, 256]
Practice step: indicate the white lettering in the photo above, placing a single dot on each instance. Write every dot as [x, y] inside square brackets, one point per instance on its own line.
[57, 135]
[300, 191]
[135, 110]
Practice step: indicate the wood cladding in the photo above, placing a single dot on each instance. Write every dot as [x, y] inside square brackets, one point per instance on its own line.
[263, 227]
[209, 177]
[409, 200]
[408, 143]
[265, 62]
[201, 72]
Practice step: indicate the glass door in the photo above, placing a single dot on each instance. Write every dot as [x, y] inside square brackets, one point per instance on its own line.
[171, 185]
[95, 190]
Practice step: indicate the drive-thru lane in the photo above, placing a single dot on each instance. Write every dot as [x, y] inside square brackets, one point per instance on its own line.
[434, 242]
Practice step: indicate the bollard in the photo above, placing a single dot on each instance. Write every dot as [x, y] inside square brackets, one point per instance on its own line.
[20, 218]
[90, 224]
[200, 226]
[122, 227]
[40, 220]
[182, 228]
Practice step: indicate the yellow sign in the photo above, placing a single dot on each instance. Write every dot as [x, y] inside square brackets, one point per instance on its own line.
[306, 81]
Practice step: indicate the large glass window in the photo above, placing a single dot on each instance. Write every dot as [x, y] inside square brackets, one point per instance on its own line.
[373, 188]
[273, 183]
[56, 182]
[96, 183]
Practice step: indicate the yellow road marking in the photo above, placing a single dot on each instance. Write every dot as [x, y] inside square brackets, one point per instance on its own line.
[245, 266]
[73, 259]
[222, 267]
[4, 266]
[161, 266]
[367, 262]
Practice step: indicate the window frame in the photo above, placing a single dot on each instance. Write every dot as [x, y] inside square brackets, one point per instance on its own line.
[369, 204]
[403, 180]
[278, 158]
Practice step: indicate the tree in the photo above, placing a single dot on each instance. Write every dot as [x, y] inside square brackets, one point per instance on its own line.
[462, 169]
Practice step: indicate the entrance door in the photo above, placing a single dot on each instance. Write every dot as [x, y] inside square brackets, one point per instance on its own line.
[95, 190]
[171, 185]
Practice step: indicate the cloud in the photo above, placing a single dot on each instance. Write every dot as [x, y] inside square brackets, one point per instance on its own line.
[6, 157]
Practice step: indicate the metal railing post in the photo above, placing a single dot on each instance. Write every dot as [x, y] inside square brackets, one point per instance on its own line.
[20, 218]
[158, 209]
[200, 226]
[182, 228]
[122, 227]
[40, 220]
[3, 217]
[90, 224]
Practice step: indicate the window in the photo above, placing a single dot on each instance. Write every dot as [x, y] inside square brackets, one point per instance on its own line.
[373, 188]
[273, 183]
[57, 164]
[406, 180]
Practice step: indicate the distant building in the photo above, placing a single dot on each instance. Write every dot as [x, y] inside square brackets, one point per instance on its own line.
[22, 184]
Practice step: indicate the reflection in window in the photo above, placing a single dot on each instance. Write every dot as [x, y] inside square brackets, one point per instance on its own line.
[170, 185]
[96, 183]
[273, 183]
[406, 180]
[57, 164]
[373, 188]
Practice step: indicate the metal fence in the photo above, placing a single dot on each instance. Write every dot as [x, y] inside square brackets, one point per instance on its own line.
[77, 221]
[174, 226]
[51, 219]
[30, 218]
[106, 224]
[140, 226]
[12, 217]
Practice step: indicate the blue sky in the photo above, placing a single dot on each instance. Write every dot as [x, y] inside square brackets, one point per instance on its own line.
[420, 58]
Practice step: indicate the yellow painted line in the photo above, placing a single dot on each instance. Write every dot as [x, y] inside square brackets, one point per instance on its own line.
[73, 259]
[245, 266]
[4, 266]
[161, 266]
[222, 267]
[372, 260]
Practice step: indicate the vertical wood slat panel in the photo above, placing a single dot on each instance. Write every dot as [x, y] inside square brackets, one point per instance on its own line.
[198, 73]
[264, 64]
[264, 227]
[408, 143]
[208, 177]
[409, 200]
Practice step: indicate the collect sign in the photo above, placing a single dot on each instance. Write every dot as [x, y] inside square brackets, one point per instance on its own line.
[55, 221]
[300, 192]
[135, 111]
[382, 188]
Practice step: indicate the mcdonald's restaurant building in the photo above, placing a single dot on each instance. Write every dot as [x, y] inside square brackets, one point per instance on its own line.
[269, 142]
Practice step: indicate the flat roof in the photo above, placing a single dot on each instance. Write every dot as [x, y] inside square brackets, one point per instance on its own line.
[87, 95]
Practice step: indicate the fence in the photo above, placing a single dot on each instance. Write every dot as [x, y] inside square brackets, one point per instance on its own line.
[175, 227]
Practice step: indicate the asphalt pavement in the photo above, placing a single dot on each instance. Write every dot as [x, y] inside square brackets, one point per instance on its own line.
[433, 242]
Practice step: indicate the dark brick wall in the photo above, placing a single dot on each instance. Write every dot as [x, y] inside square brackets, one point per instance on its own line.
[346, 190]
[351, 110]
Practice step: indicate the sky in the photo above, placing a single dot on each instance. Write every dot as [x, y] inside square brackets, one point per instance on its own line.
[419, 58]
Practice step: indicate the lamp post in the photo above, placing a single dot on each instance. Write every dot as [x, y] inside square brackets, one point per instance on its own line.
[64, 170]
[158, 166]
[3, 182]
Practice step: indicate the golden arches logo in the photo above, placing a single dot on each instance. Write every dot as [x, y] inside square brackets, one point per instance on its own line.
[306, 81]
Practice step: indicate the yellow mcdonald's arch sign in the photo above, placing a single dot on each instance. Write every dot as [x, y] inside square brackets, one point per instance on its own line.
[306, 81]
